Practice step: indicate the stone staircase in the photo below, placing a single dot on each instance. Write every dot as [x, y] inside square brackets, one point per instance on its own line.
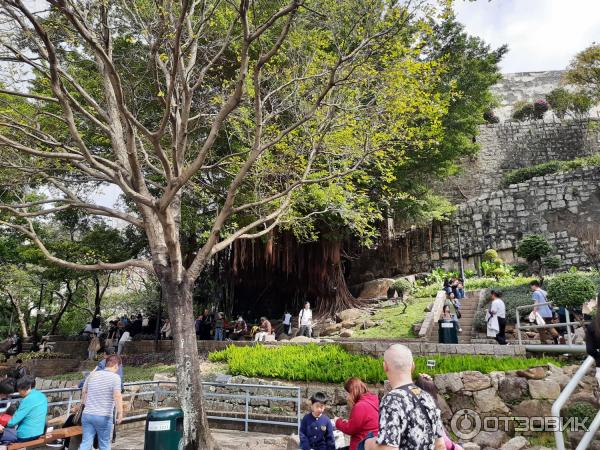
[468, 309]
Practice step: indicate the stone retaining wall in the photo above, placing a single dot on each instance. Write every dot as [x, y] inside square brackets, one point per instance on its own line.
[371, 347]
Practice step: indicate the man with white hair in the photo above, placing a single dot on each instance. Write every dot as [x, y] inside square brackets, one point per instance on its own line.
[408, 416]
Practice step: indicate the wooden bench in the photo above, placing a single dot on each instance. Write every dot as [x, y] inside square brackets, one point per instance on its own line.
[61, 433]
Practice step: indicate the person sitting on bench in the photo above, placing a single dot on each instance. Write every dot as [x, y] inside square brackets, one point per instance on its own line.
[29, 421]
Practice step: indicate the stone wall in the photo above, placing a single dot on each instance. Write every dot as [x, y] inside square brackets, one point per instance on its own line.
[514, 145]
[559, 206]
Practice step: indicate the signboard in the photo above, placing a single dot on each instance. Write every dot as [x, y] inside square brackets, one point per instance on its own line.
[159, 425]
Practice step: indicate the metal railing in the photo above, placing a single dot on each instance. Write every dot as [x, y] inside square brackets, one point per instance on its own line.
[562, 399]
[541, 347]
[72, 396]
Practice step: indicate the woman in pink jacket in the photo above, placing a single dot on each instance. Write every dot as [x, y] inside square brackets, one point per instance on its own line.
[364, 413]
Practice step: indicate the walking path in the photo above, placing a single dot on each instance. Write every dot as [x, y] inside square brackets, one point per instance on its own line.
[133, 439]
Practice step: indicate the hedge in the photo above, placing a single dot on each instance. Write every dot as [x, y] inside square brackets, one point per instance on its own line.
[333, 364]
[550, 167]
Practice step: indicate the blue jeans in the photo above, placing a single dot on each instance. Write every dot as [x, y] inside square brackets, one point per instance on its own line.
[92, 425]
[218, 334]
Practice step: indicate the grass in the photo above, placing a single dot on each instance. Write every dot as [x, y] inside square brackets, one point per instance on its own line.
[130, 374]
[332, 364]
[527, 173]
[396, 324]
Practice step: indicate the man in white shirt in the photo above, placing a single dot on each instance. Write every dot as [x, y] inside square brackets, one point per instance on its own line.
[305, 321]
[498, 309]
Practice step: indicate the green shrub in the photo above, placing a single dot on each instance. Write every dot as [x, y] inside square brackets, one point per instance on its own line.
[571, 289]
[41, 355]
[581, 410]
[563, 102]
[523, 111]
[534, 247]
[547, 168]
[402, 286]
[552, 262]
[332, 364]
[490, 255]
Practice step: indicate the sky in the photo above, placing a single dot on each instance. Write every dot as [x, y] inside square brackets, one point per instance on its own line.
[541, 34]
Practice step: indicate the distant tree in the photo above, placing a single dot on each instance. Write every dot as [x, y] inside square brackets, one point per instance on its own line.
[564, 103]
[534, 248]
[584, 71]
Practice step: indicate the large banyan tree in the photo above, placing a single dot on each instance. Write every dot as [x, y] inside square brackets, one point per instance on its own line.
[215, 121]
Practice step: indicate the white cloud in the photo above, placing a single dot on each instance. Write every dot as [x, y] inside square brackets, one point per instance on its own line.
[541, 34]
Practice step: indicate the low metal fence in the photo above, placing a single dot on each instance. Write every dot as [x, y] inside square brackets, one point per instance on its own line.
[158, 389]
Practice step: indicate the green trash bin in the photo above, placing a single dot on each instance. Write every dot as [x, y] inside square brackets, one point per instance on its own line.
[164, 429]
[447, 332]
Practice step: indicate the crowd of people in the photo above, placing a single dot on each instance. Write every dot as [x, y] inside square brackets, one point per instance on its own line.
[407, 417]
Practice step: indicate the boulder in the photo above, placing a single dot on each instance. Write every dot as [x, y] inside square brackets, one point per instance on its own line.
[493, 439]
[368, 324]
[532, 408]
[470, 446]
[475, 381]
[487, 400]
[534, 373]
[461, 401]
[445, 410]
[348, 324]
[346, 333]
[293, 442]
[575, 438]
[303, 339]
[448, 382]
[544, 389]
[511, 389]
[376, 288]
[331, 329]
[350, 314]
[516, 443]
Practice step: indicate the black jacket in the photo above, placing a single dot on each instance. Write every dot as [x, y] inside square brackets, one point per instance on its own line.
[592, 343]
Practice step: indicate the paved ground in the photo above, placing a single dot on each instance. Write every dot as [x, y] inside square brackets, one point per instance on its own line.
[133, 439]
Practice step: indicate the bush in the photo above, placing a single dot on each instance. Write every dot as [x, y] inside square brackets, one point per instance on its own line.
[30, 356]
[533, 248]
[333, 364]
[527, 173]
[513, 297]
[523, 111]
[560, 101]
[490, 255]
[490, 117]
[584, 411]
[571, 289]
[553, 262]
[402, 286]
[539, 108]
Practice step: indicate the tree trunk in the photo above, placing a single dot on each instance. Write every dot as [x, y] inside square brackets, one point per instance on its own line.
[20, 316]
[195, 424]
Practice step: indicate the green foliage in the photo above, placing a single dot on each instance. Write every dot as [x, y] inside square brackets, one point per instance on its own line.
[396, 323]
[490, 255]
[552, 262]
[539, 170]
[523, 111]
[571, 289]
[30, 356]
[332, 364]
[402, 286]
[584, 411]
[565, 103]
[130, 373]
[583, 71]
[533, 248]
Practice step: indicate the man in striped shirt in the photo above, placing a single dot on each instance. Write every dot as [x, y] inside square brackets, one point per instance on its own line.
[101, 393]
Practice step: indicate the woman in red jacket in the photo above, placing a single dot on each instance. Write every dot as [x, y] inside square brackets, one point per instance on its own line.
[364, 413]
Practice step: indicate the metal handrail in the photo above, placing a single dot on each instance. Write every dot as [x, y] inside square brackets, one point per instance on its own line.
[566, 324]
[562, 399]
[247, 396]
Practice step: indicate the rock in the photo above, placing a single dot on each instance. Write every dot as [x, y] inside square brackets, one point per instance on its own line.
[448, 382]
[555, 369]
[496, 377]
[347, 333]
[544, 389]
[350, 314]
[368, 324]
[487, 400]
[376, 288]
[416, 328]
[513, 388]
[575, 438]
[348, 324]
[163, 377]
[494, 439]
[475, 381]
[470, 446]
[560, 378]
[461, 401]
[534, 373]
[303, 339]
[293, 442]
[516, 443]
[532, 408]
[445, 410]
[284, 337]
